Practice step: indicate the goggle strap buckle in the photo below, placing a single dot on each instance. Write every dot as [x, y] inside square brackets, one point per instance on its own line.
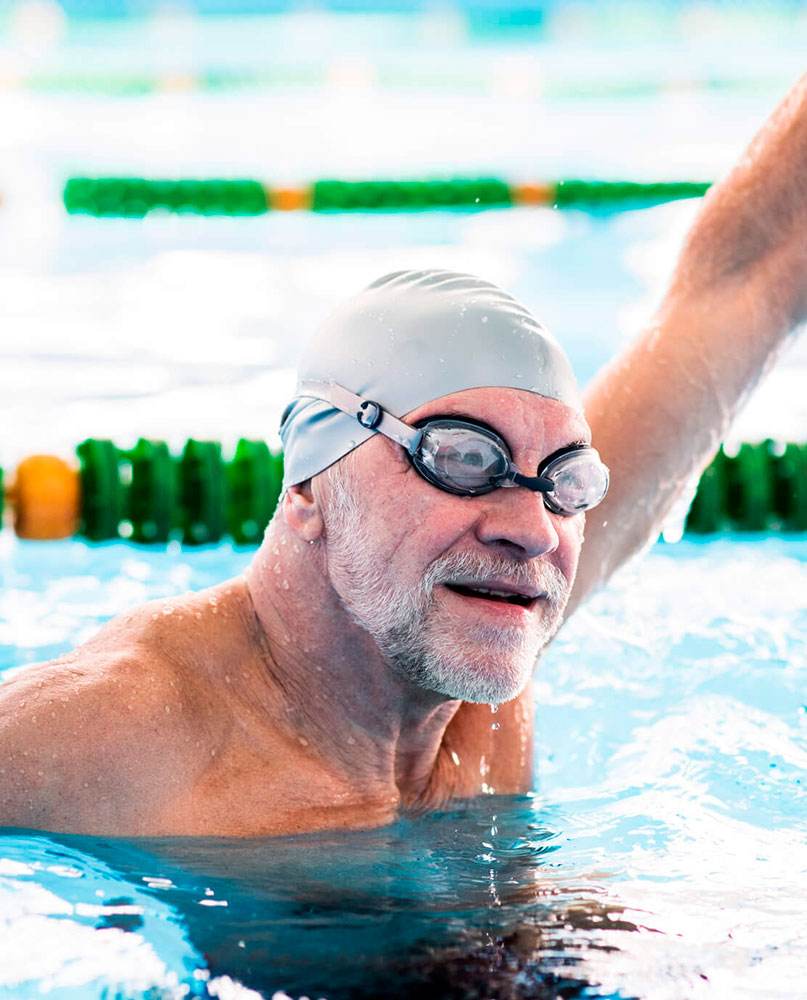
[367, 412]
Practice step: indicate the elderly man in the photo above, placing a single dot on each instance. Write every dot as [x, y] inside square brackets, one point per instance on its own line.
[429, 542]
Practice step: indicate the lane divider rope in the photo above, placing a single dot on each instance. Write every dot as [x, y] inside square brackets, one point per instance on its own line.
[135, 197]
[148, 496]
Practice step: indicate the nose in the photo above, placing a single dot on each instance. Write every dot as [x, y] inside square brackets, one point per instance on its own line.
[516, 519]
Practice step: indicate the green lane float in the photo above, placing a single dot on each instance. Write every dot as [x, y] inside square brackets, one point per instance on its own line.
[254, 478]
[761, 488]
[101, 490]
[203, 504]
[148, 496]
[152, 491]
[409, 196]
[612, 195]
[135, 197]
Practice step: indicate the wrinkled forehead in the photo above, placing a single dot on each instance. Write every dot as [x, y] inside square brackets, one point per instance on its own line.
[520, 417]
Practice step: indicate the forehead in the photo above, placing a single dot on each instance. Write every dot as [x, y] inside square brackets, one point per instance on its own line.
[524, 419]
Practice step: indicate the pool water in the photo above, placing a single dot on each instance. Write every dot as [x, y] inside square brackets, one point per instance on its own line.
[662, 854]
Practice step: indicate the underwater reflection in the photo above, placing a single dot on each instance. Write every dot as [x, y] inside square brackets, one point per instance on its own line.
[469, 903]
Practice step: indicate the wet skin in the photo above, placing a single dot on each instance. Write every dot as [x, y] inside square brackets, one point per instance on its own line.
[259, 707]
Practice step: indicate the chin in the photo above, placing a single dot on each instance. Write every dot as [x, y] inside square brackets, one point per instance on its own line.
[484, 664]
[477, 674]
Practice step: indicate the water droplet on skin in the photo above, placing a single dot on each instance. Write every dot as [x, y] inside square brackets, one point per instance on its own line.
[455, 758]
[494, 709]
[351, 741]
[285, 584]
[167, 708]
[213, 601]
[302, 741]
[154, 617]
[495, 726]
[168, 610]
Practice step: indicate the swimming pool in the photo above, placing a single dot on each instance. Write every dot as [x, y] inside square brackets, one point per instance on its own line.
[662, 853]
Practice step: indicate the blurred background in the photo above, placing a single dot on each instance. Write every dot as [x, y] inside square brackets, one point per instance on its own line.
[671, 716]
[179, 325]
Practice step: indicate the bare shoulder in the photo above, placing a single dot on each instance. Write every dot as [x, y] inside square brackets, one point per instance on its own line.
[101, 738]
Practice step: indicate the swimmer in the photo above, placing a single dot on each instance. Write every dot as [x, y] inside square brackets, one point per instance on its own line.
[441, 473]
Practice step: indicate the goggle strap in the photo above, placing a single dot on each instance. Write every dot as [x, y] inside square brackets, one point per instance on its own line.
[367, 412]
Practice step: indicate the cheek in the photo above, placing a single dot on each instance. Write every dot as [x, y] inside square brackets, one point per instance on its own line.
[570, 535]
[425, 522]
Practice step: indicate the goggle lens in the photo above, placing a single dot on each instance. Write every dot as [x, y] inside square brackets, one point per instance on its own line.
[463, 459]
[469, 460]
[580, 478]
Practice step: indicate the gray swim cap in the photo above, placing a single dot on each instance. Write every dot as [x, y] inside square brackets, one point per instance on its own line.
[407, 339]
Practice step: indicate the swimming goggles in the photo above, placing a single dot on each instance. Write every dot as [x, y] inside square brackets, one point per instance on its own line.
[470, 459]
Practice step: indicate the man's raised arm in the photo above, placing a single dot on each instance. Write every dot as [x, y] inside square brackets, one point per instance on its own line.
[660, 409]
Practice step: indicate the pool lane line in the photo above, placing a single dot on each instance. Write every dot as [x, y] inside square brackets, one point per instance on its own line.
[526, 79]
[136, 197]
[148, 496]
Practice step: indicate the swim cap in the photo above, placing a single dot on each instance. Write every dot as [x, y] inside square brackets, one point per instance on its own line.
[411, 337]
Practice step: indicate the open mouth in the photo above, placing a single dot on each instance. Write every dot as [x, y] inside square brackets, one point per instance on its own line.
[485, 594]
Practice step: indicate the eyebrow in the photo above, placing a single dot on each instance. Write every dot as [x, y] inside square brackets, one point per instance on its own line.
[451, 413]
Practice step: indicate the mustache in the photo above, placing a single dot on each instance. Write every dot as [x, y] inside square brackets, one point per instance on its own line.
[476, 566]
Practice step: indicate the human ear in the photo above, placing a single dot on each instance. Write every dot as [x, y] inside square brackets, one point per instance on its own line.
[302, 512]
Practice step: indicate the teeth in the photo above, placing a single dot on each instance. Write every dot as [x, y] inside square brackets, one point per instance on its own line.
[495, 593]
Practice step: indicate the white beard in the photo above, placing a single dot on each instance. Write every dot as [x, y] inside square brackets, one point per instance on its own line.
[424, 642]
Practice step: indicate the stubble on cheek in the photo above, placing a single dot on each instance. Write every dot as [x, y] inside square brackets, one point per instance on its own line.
[424, 641]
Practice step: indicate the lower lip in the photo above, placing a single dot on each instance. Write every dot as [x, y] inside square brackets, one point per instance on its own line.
[504, 611]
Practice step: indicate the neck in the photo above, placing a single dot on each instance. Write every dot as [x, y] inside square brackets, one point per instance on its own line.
[338, 692]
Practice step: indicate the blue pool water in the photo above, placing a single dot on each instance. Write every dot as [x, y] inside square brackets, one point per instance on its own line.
[662, 853]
